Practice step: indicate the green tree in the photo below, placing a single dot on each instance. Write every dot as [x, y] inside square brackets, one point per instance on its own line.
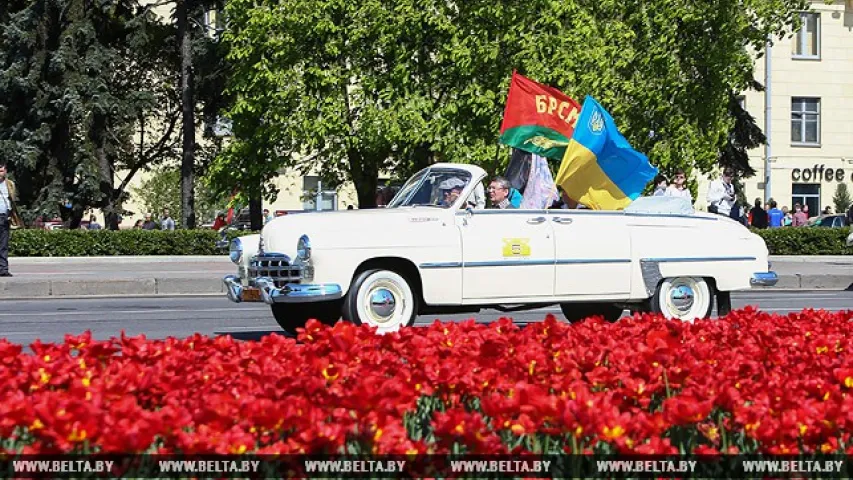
[162, 189]
[77, 81]
[841, 199]
[354, 88]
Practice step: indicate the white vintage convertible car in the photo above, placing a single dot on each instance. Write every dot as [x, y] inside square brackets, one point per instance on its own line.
[430, 251]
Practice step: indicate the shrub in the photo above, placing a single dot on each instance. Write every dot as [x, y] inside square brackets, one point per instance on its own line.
[85, 243]
[806, 241]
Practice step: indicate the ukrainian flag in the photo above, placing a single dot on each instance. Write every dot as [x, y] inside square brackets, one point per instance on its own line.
[600, 169]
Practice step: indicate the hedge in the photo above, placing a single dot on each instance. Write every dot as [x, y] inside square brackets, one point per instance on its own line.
[806, 240]
[85, 243]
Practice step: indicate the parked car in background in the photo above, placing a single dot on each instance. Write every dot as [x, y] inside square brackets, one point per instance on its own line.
[837, 220]
[430, 252]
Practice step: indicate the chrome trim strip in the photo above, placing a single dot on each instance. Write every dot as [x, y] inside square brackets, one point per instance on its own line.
[651, 275]
[441, 265]
[698, 259]
[525, 263]
[508, 263]
[764, 279]
[592, 260]
[233, 288]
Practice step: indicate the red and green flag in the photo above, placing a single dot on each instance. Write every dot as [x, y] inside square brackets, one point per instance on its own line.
[538, 119]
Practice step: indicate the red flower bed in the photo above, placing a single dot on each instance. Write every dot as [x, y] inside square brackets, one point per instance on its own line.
[750, 382]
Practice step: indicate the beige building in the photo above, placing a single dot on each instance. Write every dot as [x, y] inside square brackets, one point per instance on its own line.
[811, 128]
[811, 112]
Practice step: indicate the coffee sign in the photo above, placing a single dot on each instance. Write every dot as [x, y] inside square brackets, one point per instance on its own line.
[819, 173]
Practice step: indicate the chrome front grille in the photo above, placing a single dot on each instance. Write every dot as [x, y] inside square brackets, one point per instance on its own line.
[278, 267]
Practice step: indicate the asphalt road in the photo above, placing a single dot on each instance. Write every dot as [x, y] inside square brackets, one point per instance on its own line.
[23, 321]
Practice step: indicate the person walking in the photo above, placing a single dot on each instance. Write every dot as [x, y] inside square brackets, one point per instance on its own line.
[721, 194]
[8, 214]
[758, 216]
[678, 189]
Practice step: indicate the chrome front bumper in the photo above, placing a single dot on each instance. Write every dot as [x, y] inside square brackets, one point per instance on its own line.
[290, 293]
[764, 279]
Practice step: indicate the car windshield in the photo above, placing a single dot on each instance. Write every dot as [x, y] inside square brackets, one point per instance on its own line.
[432, 186]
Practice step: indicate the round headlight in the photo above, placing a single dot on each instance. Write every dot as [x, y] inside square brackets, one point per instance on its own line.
[236, 250]
[303, 247]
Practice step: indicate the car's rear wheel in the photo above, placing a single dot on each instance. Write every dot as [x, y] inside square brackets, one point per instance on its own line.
[291, 316]
[575, 312]
[382, 299]
[683, 298]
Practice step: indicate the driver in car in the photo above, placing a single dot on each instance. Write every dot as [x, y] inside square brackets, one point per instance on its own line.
[451, 189]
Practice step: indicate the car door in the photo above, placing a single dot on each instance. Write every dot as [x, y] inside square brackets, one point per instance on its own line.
[506, 254]
[593, 254]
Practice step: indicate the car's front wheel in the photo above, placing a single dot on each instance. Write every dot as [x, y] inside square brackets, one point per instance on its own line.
[291, 316]
[683, 298]
[382, 299]
[575, 312]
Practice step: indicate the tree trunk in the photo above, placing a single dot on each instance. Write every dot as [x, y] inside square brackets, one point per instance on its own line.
[366, 179]
[256, 214]
[106, 182]
[188, 121]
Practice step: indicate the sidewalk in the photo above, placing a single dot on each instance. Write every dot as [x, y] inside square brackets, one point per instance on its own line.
[40, 277]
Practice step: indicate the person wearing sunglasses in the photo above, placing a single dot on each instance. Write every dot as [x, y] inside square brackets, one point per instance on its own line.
[678, 187]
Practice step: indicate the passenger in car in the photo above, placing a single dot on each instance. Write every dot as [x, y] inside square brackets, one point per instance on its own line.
[499, 194]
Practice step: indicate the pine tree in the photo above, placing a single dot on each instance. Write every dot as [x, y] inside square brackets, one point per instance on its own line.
[842, 198]
[78, 80]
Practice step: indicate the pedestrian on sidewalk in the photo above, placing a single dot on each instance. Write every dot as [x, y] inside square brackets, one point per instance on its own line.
[775, 217]
[149, 224]
[721, 194]
[758, 216]
[8, 214]
[167, 223]
[801, 219]
[93, 223]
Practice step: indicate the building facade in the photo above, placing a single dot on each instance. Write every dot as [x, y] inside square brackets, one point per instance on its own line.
[811, 113]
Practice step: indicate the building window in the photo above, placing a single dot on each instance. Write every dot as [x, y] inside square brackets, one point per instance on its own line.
[806, 194]
[805, 121]
[328, 198]
[806, 43]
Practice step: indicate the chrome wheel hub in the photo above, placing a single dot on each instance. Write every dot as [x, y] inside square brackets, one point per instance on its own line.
[382, 304]
[681, 299]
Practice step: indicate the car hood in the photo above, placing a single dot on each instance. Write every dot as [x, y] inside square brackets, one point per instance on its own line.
[356, 228]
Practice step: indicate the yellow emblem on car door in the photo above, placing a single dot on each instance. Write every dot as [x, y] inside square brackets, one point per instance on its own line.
[516, 247]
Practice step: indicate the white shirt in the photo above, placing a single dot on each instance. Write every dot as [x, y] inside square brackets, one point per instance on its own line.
[4, 198]
[673, 191]
[717, 196]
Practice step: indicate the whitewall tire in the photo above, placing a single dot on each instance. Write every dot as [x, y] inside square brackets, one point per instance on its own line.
[683, 298]
[382, 299]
